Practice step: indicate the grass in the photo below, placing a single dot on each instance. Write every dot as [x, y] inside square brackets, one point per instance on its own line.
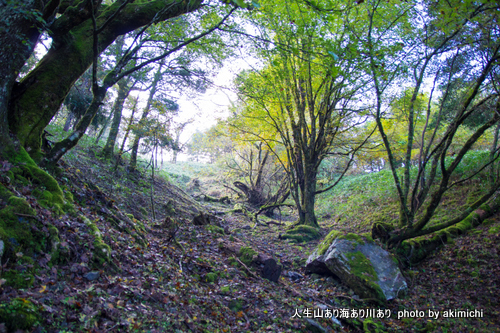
[362, 199]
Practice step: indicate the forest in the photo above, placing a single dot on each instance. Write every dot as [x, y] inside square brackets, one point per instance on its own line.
[350, 184]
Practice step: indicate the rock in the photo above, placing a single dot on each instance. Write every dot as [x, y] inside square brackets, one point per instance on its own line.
[2, 248]
[362, 265]
[314, 327]
[271, 270]
[91, 276]
[294, 276]
[202, 219]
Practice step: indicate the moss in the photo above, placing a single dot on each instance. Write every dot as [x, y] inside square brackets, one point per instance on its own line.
[361, 267]
[21, 157]
[247, 254]
[51, 195]
[21, 206]
[367, 236]
[214, 229]
[325, 244]
[211, 277]
[19, 314]
[15, 228]
[494, 230]
[102, 251]
[237, 304]
[295, 238]
[302, 233]
[69, 196]
[5, 194]
[381, 230]
[353, 237]
[17, 279]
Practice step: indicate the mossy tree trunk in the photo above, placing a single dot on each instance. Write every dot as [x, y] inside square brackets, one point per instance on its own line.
[34, 102]
[19, 35]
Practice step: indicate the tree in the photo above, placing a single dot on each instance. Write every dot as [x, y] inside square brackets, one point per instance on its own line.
[124, 88]
[179, 128]
[28, 106]
[453, 43]
[123, 67]
[303, 97]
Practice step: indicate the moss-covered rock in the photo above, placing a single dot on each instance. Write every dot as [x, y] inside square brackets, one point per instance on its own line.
[247, 255]
[19, 314]
[365, 267]
[302, 234]
[325, 244]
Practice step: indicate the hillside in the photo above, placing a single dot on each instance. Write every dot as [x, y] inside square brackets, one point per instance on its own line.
[164, 279]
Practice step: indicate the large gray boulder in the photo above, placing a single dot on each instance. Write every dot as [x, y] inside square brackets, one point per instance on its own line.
[365, 267]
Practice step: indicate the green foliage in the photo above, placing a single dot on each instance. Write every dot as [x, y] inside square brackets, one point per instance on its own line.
[19, 314]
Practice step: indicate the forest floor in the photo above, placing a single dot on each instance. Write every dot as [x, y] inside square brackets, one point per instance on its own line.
[187, 283]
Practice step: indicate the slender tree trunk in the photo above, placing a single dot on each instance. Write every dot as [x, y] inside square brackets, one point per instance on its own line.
[103, 129]
[67, 124]
[129, 126]
[123, 91]
[145, 113]
[71, 141]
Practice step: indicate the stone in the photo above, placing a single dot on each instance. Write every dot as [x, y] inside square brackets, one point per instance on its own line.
[202, 219]
[294, 276]
[369, 270]
[314, 327]
[91, 276]
[271, 270]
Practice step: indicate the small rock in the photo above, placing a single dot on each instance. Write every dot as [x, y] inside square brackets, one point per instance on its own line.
[313, 326]
[246, 227]
[91, 276]
[294, 276]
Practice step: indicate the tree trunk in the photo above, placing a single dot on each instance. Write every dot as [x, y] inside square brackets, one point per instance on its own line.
[103, 129]
[123, 91]
[307, 215]
[145, 113]
[67, 124]
[18, 38]
[35, 101]
[71, 141]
